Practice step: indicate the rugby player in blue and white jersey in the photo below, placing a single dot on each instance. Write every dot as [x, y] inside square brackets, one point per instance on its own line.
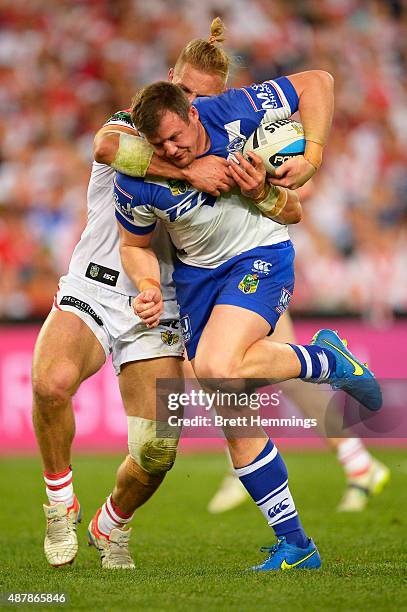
[228, 307]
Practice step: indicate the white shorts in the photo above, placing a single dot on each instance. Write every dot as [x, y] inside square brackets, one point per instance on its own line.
[111, 318]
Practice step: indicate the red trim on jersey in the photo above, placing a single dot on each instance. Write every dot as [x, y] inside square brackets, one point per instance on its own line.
[250, 98]
[124, 124]
[122, 190]
[276, 89]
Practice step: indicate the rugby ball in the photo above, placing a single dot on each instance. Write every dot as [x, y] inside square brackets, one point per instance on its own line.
[276, 142]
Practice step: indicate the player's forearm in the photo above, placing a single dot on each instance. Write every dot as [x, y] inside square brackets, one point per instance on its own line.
[132, 155]
[291, 212]
[315, 89]
[124, 152]
[141, 266]
[280, 204]
[160, 167]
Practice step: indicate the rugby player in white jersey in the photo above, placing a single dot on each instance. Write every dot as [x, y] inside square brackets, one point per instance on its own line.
[227, 311]
[90, 319]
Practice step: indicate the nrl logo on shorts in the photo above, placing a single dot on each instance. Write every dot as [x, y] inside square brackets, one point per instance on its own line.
[249, 283]
[168, 337]
[178, 187]
[94, 271]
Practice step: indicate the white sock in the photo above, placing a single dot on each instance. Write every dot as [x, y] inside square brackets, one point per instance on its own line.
[59, 487]
[111, 517]
[354, 457]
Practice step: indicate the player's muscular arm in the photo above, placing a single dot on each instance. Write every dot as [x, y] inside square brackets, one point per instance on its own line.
[141, 265]
[210, 174]
[315, 89]
[125, 151]
[280, 204]
[287, 207]
[122, 149]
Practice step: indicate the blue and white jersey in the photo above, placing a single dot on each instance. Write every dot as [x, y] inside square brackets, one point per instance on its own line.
[205, 230]
[232, 117]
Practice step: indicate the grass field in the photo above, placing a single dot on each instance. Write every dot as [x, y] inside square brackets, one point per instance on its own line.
[189, 560]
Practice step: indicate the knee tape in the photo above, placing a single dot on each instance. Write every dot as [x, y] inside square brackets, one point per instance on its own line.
[154, 454]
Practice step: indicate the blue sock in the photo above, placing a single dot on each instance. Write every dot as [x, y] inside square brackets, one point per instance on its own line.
[316, 363]
[266, 480]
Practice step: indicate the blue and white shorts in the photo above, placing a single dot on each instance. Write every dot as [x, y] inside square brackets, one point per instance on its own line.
[260, 280]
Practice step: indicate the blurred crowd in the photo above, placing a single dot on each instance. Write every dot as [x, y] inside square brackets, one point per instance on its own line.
[66, 66]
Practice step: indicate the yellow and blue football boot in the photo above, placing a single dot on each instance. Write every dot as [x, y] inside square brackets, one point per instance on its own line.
[350, 374]
[284, 556]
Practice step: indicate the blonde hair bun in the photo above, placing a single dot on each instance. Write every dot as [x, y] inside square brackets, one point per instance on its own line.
[217, 31]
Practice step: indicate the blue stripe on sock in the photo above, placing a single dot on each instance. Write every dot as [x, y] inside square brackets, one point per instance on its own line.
[314, 355]
[301, 358]
[266, 482]
[272, 493]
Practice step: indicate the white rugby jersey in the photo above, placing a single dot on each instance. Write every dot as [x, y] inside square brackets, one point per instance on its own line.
[96, 257]
[205, 230]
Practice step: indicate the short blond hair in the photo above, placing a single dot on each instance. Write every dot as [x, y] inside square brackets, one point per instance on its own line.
[206, 55]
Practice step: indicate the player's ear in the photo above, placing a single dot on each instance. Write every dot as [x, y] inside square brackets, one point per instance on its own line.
[193, 114]
[171, 75]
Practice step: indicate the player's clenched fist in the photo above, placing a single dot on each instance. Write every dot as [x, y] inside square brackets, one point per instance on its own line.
[249, 174]
[293, 173]
[210, 174]
[148, 305]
